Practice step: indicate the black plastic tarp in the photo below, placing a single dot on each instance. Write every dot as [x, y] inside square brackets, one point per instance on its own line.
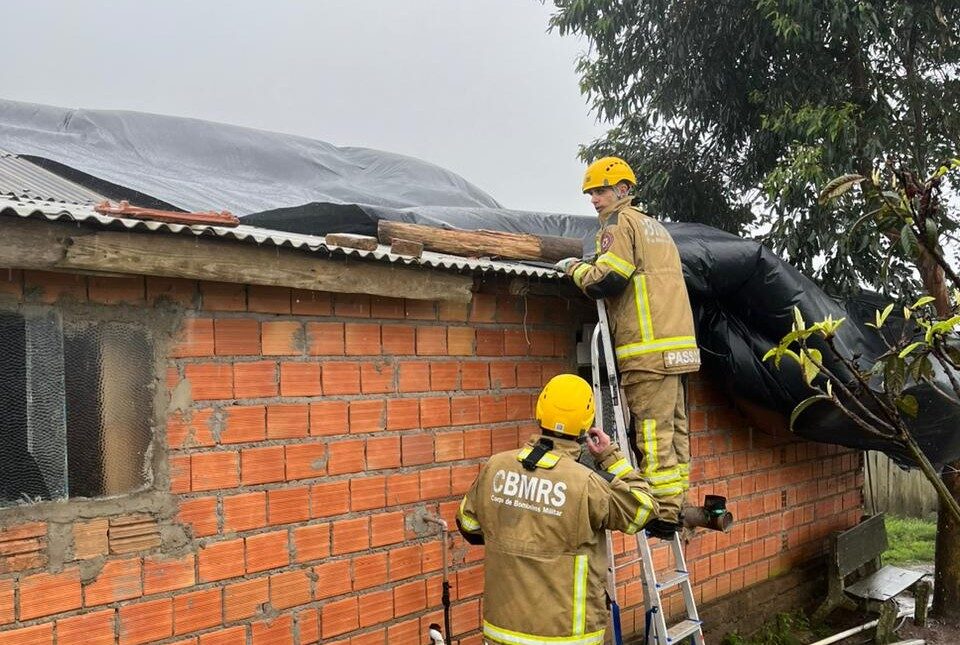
[743, 295]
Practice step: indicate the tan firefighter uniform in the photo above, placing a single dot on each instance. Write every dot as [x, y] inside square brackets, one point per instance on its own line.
[544, 531]
[638, 274]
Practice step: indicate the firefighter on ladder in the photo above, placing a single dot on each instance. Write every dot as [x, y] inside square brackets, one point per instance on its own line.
[543, 517]
[637, 272]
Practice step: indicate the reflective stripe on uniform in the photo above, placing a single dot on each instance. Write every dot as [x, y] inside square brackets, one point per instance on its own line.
[617, 263]
[667, 491]
[578, 272]
[619, 467]
[548, 460]
[466, 521]
[508, 637]
[660, 345]
[579, 595]
[643, 512]
[642, 298]
[665, 476]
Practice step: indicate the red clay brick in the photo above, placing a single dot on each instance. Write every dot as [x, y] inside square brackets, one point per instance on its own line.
[377, 378]
[262, 465]
[117, 580]
[244, 512]
[311, 303]
[405, 562]
[453, 311]
[386, 528]
[90, 628]
[362, 339]
[345, 457]
[6, 600]
[528, 375]
[483, 307]
[255, 380]
[300, 379]
[434, 483]
[244, 424]
[376, 607]
[305, 461]
[350, 536]
[268, 299]
[420, 309]
[476, 443]
[351, 305]
[489, 342]
[282, 338]
[431, 341]
[409, 597]
[200, 513]
[403, 414]
[209, 380]
[403, 488]
[237, 337]
[516, 342]
[414, 377]
[45, 594]
[173, 290]
[197, 610]
[398, 340]
[167, 574]
[369, 570]
[229, 636]
[383, 452]
[288, 421]
[444, 376]
[406, 632]
[267, 551]
[464, 410]
[311, 542]
[325, 339]
[289, 589]
[111, 290]
[333, 578]
[416, 449]
[434, 412]
[192, 430]
[367, 493]
[328, 418]
[288, 505]
[214, 470]
[221, 560]
[243, 599]
[460, 341]
[474, 376]
[340, 378]
[449, 446]
[223, 296]
[339, 617]
[384, 307]
[146, 622]
[461, 478]
[194, 339]
[367, 416]
[90, 538]
[330, 498]
[51, 287]
[36, 635]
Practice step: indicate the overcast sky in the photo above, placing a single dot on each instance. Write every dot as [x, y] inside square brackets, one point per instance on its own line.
[475, 86]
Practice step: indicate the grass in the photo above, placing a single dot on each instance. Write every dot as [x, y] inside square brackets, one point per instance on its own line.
[783, 629]
[911, 540]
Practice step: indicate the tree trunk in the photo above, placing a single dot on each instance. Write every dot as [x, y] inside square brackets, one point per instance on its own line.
[946, 588]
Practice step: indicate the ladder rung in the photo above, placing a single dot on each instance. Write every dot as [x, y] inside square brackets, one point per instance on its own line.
[673, 579]
[683, 629]
[627, 563]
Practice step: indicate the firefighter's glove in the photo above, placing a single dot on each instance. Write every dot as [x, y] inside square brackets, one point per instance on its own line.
[566, 265]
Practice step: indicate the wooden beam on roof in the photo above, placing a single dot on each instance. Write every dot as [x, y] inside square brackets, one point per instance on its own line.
[493, 244]
[52, 246]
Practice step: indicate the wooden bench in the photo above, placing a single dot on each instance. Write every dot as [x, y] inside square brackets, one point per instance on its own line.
[857, 551]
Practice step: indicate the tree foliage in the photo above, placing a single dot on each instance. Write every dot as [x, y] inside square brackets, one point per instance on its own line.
[734, 113]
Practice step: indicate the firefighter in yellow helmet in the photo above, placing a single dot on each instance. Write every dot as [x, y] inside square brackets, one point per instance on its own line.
[543, 515]
[638, 274]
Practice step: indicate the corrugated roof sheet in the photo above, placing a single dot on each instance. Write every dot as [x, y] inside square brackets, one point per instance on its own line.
[20, 178]
[83, 213]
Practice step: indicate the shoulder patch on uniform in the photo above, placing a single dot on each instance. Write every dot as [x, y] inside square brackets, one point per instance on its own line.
[606, 241]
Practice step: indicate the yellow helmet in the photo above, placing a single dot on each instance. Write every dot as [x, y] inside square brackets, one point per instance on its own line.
[566, 405]
[608, 171]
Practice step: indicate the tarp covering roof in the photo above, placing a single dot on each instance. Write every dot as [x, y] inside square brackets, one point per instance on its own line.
[743, 295]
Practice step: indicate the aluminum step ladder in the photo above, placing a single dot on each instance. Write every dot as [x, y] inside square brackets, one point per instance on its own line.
[654, 583]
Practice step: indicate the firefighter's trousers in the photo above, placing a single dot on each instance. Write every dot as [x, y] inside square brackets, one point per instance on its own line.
[660, 435]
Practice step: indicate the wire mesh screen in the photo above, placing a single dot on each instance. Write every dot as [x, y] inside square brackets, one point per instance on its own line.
[108, 369]
[75, 407]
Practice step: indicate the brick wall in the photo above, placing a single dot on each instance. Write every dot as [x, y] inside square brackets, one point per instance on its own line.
[306, 436]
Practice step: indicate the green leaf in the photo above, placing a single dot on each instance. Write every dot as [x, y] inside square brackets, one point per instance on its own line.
[908, 241]
[803, 405]
[798, 319]
[925, 300]
[810, 359]
[837, 187]
[909, 348]
[894, 375]
[882, 318]
[908, 404]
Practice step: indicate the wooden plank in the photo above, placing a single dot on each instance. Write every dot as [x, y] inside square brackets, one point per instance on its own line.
[494, 244]
[50, 246]
[351, 241]
[406, 247]
[861, 544]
